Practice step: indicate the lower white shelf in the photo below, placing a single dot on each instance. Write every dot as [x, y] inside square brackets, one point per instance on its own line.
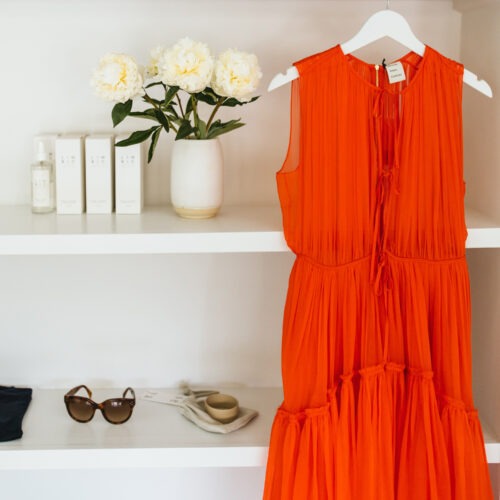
[156, 436]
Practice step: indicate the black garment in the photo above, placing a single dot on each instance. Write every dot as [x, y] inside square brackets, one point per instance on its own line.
[13, 405]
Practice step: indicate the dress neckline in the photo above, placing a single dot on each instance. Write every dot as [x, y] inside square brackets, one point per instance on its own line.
[425, 56]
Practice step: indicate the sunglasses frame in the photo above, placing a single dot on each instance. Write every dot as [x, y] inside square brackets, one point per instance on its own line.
[70, 396]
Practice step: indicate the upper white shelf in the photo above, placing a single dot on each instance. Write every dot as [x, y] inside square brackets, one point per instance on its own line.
[483, 231]
[155, 436]
[159, 231]
[492, 444]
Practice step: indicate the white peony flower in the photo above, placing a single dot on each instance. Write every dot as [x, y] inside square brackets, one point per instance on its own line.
[236, 74]
[188, 65]
[118, 78]
[156, 54]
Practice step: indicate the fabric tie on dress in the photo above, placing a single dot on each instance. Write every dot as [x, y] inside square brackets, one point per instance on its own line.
[387, 179]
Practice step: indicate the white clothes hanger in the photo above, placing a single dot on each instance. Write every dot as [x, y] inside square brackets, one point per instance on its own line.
[384, 23]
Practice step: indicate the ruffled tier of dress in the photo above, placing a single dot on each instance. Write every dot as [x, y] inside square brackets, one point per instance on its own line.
[354, 426]
[392, 438]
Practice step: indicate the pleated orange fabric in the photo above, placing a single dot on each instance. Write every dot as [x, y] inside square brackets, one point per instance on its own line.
[376, 354]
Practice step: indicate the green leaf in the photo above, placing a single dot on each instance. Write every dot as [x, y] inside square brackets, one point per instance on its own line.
[137, 137]
[169, 95]
[120, 111]
[223, 128]
[172, 112]
[150, 100]
[202, 128]
[154, 141]
[184, 130]
[148, 113]
[175, 119]
[189, 107]
[153, 84]
[208, 96]
[169, 109]
[162, 119]
[231, 102]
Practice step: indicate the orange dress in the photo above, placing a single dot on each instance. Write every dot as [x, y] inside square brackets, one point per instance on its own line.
[376, 354]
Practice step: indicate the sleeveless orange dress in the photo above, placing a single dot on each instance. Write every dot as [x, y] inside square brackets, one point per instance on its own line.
[376, 354]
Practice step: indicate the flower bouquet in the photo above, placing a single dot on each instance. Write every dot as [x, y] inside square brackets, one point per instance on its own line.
[187, 67]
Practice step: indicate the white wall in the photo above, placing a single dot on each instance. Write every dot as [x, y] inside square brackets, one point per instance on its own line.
[50, 47]
[480, 47]
[145, 321]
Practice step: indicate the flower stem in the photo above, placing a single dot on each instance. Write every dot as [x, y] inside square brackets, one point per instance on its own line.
[196, 118]
[180, 105]
[148, 99]
[216, 108]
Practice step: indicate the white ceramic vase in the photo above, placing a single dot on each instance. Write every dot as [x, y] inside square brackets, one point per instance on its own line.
[196, 178]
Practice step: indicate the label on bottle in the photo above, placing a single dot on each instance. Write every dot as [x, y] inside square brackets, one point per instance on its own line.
[395, 72]
[40, 185]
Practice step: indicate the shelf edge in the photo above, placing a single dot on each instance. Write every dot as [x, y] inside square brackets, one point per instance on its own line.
[131, 244]
[123, 458]
[120, 458]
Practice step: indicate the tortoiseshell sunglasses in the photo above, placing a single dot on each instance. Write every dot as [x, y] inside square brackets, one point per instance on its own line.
[115, 411]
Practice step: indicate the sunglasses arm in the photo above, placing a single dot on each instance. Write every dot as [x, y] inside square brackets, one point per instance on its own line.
[73, 391]
[131, 392]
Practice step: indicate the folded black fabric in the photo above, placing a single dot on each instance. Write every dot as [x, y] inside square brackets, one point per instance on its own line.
[13, 405]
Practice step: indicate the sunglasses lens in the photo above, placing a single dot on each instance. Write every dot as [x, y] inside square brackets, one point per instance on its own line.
[117, 411]
[80, 409]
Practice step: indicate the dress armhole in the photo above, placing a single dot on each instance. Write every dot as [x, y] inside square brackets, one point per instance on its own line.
[457, 67]
[292, 159]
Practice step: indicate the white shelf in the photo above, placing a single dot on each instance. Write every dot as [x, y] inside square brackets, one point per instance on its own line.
[156, 435]
[484, 232]
[160, 231]
[492, 444]
[155, 231]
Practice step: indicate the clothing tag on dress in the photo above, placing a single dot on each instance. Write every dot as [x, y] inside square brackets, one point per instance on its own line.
[395, 72]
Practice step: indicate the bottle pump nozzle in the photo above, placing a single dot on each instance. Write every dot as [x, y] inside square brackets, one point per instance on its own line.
[41, 154]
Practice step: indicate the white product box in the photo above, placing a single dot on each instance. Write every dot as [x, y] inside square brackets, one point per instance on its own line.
[99, 173]
[129, 178]
[70, 182]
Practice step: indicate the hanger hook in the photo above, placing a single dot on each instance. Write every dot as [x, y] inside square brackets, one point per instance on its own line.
[387, 4]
